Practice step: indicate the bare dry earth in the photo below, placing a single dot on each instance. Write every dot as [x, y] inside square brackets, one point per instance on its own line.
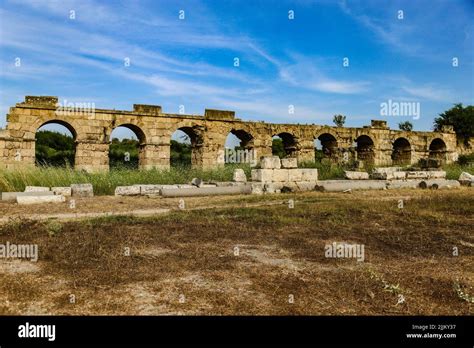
[246, 255]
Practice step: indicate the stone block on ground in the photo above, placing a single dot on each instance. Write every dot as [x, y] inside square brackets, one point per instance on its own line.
[289, 187]
[196, 182]
[402, 184]
[437, 174]
[289, 163]
[397, 176]
[36, 189]
[82, 190]
[309, 174]
[389, 176]
[343, 185]
[12, 196]
[127, 190]
[270, 162]
[257, 188]
[239, 175]
[25, 200]
[262, 175]
[188, 186]
[435, 184]
[64, 191]
[226, 183]
[273, 187]
[305, 185]
[466, 179]
[383, 170]
[356, 175]
[295, 175]
[280, 175]
[418, 175]
[149, 189]
[169, 186]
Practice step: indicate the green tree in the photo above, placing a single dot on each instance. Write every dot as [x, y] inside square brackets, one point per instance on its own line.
[339, 120]
[277, 148]
[461, 118]
[54, 149]
[123, 153]
[180, 154]
[405, 126]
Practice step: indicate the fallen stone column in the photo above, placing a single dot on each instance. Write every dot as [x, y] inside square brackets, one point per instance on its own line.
[466, 179]
[153, 190]
[344, 185]
[82, 190]
[418, 175]
[402, 184]
[25, 200]
[384, 170]
[127, 190]
[36, 189]
[64, 191]
[12, 196]
[389, 175]
[437, 174]
[356, 175]
[207, 191]
[439, 184]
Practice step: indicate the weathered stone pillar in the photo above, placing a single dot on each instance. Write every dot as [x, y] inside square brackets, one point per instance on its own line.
[92, 156]
[17, 153]
[154, 156]
[345, 151]
[305, 151]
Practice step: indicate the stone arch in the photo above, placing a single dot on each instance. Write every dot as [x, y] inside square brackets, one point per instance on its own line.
[60, 122]
[197, 142]
[438, 150]
[401, 151]
[365, 149]
[141, 136]
[290, 143]
[32, 128]
[137, 130]
[245, 137]
[329, 145]
[245, 153]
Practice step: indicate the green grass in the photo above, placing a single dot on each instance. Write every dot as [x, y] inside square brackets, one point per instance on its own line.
[104, 183]
[454, 170]
[326, 169]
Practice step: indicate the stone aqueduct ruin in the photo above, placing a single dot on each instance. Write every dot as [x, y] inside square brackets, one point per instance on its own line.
[375, 144]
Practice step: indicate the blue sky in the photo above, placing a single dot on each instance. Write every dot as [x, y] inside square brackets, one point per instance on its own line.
[283, 61]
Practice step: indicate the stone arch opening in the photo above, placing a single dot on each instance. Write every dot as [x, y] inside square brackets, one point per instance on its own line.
[325, 146]
[127, 147]
[55, 144]
[239, 147]
[438, 151]
[365, 150]
[284, 145]
[401, 153]
[186, 148]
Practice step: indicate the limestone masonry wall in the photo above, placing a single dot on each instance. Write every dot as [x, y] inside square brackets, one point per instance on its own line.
[91, 129]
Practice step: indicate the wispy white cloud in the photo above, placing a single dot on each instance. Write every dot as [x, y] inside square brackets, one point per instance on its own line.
[305, 73]
[386, 30]
[430, 92]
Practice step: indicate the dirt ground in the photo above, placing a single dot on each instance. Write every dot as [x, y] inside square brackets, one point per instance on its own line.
[236, 255]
